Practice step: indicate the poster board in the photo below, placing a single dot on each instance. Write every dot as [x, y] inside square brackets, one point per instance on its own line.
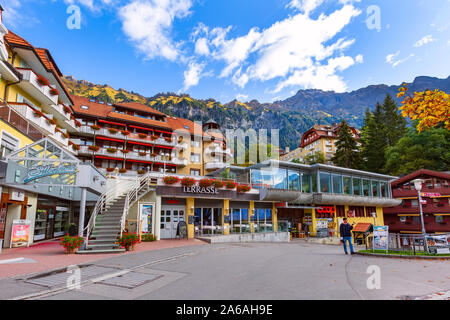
[381, 238]
[20, 233]
[146, 213]
[440, 244]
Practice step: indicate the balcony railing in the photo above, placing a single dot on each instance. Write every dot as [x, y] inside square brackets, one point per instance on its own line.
[38, 91]
[214, 165]
[19, 121]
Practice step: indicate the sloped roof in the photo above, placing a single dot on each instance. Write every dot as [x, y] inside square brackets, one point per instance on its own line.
[139, 106]
[13, 38]
[148, 122]
[181, 124]
[419, 173]
[94, 108]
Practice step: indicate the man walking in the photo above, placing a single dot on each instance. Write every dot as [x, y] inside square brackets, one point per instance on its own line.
[345, 230]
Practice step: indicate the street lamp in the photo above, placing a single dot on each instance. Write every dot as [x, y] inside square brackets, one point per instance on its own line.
[374, 215]
[418, 186]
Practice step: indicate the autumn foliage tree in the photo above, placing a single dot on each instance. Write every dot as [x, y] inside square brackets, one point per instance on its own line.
[429, 108]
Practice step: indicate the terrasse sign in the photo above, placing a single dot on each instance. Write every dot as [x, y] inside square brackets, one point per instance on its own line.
[200, 190]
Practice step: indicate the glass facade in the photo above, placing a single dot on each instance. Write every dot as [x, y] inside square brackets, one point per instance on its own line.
[262, 220]
[318, 182]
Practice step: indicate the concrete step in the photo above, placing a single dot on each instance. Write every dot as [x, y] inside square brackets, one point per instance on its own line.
[103, 227]
[111, 241]
[102, 246]
[94, 251]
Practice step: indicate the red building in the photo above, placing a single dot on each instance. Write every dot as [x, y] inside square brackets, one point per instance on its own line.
[405, 218]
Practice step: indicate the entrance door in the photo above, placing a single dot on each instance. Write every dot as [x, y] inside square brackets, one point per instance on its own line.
[50, 223]
[170, 217]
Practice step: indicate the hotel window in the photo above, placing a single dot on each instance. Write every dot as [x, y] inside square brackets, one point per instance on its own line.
[195, 172]
[337, 184]
[294, 180]
[375, 188]
[366, 187]
[347, 185]
[414, 203]
[384, 189]
[195, 143]
[439, 219]
[8, 144]
[357, 187]
[195, 157]
[325, 182]
[279, 178]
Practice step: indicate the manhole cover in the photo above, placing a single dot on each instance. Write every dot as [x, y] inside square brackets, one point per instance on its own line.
[131, 280]
[59, 278]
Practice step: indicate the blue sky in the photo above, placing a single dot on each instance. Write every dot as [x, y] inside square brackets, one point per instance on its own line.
[245, 49]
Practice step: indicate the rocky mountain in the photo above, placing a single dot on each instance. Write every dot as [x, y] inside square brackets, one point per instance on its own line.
[292, 116]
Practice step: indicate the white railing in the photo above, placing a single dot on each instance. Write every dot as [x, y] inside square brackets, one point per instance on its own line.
[104, 199]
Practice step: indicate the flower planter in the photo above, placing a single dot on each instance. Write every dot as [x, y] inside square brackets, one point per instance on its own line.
[205, 183]
[125, 132]
[95, 127]
[171, 180]
[142, 135]
[187, 182]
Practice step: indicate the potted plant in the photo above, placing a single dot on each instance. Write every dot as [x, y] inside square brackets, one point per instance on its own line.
[66, 109]
[93, 148]
[187, 182]
[141, 171]
[148, 237]
[219, 184]
[142, 135]
[75, 147]
[54, 92]
[71, 244]
[128, 241]
[154, 137]
[170, 180]
[205, 183]
[230, 185]
[154, 154]
[168, 139]
[113, 130]
[124, 151]
[111, 150]
[77, 123]
[125, 132]
[142, 153]
[51, 121]
[42, 81]
[95, 127]
[122, 170]
[242, 188]
[110, 169]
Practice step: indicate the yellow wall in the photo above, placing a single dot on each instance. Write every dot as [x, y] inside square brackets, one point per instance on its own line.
[225, 211]
[190, 203]
[24, 140]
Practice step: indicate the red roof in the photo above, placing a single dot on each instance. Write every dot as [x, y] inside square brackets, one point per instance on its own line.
[94, 108]
[361, 227]
[139, 106]
[13, 38]
[420, 173]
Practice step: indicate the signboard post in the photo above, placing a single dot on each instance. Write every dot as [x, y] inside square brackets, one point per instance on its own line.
[20, 233]
[381, 238]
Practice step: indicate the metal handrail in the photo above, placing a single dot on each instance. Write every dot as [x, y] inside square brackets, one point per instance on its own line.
[105, 198]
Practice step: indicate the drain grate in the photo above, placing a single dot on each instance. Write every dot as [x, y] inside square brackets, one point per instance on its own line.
[131, 280]
[59, 278]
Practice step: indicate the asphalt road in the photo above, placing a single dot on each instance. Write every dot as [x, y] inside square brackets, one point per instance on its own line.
[269, 271]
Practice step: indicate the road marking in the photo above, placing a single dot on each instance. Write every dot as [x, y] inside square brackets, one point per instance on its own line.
[52, 292]
[11, 260]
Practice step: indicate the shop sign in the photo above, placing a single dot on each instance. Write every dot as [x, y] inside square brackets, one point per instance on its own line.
[20, 233]
[49, 170]
[200, 190]
[281, 204]
[440, 242]
[17, 195]
[380, 238]
[331, 210]
[322, 223]
[430, 195]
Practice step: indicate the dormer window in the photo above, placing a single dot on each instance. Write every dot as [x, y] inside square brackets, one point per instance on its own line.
[84, 107]
[101, 102]
[92, 100]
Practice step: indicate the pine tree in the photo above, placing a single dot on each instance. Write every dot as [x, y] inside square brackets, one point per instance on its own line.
[395, 124]
[347, 154]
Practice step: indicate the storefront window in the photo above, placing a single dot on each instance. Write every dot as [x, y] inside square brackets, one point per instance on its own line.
[279, 178]
[347, 185]
[236, 221]
[294, 180]
[375, 188]
[314, 183]
[325, 182]
[306, 183]
[245, 225]
[366, 187]
[357, 187]
[337, 183]
[384, 189]
[262, 220]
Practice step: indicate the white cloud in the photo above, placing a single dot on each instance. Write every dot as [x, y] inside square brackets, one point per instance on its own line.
[241, 97]
[286, 50]
[359, 58]
[193, 74]
[394, 61]
[201, 47]
[148, 24]
[305, 6]
[424, 41]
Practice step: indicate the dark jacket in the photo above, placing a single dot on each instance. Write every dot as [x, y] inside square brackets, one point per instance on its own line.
[345, 230]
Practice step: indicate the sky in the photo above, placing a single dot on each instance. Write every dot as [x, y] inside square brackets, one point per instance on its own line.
[238, 49]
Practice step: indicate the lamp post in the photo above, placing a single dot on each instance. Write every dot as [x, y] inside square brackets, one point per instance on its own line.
[418, 186]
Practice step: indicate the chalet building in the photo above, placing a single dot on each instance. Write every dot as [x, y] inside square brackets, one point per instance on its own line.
[405, 218]
[320, 138]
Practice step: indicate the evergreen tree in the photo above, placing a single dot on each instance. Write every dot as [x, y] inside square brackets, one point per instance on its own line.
[316, 157]
[347, 154]
[394, 123]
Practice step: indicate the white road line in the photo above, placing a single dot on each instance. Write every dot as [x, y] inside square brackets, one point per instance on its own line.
[11, 260]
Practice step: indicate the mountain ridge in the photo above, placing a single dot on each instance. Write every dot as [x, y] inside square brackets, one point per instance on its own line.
[291, 116]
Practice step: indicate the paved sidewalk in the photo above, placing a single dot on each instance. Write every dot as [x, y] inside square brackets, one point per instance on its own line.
[50, 255]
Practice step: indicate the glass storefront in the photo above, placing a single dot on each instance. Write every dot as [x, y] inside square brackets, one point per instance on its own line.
[262, 220]
[51, 219]
[208, 221]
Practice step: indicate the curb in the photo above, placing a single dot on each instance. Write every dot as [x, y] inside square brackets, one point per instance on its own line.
[399, 256]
